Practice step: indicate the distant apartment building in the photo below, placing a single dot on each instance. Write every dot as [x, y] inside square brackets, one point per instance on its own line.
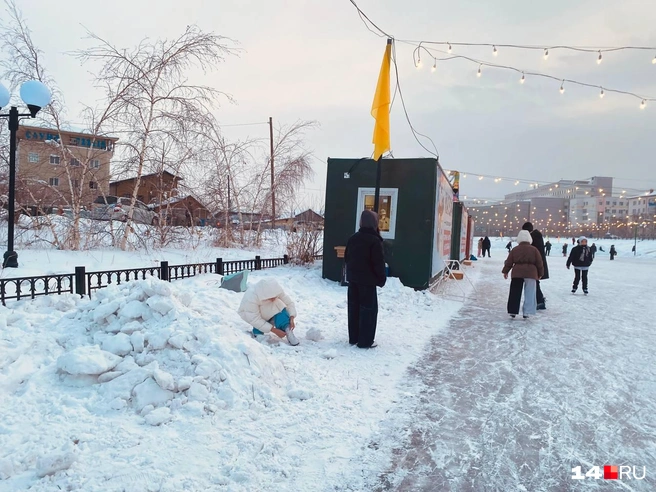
[566, 189]
[597, 210]
[59, 168]
[642, 205]
[546, 213]
[555, 207]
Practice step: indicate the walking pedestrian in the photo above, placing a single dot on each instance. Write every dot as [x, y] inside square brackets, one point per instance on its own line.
[480, 247]
[538, 243]
[365, 270]
[573, 241]
[565, 249]
[527, 267]
[613, 252]
[581, 258]
[509, 246]
[487, 244]
[593, 248]
[547, 248]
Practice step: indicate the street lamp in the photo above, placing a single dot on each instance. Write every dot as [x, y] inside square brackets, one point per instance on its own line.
[35, 95]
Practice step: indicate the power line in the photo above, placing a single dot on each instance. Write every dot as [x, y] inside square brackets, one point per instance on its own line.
[415, 133]
[245, 124]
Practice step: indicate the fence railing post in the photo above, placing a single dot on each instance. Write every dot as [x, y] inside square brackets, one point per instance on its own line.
[219, 266]
[164, 271]
[258, 263]
[286, 259]
[80, 281]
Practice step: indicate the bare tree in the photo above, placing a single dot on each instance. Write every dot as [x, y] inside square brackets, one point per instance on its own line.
[77, 165]
[153, 103]
[244, 168]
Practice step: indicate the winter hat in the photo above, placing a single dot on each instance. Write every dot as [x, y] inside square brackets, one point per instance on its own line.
[582, 238]
[369, 220]
[527, 227]
[524, 237]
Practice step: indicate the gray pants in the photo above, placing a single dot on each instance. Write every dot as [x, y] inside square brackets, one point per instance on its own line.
[515, 296]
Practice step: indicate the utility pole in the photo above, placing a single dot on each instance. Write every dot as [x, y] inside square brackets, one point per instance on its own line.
[273, 193]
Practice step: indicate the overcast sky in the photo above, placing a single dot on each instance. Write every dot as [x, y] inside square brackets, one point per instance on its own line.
[315, 60]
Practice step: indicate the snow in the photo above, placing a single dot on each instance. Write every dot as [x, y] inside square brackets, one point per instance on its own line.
[459, 390]
[87, 360]
[254, 415]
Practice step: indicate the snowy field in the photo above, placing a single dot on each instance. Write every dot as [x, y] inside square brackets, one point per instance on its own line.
[154, 386]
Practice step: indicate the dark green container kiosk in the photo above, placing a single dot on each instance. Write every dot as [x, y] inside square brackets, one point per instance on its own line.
[415, 213]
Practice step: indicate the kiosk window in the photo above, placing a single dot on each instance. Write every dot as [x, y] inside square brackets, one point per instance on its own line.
[386, 209]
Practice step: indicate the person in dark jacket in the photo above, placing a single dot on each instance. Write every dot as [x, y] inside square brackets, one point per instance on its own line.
[565, 249]
[547, 248]
[527, 267]
[593, 248]
[487, 244]
[613, 252]
[509, 246]
[538, 243]
[365, 270]
[581, 258]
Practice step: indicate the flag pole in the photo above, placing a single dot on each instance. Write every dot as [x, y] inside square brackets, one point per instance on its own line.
[380, 111]
[377, 193]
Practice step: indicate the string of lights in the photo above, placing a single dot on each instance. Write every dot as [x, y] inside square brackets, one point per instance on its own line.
[374, 28]
[545, 49]
[533, 183]
[416, 58]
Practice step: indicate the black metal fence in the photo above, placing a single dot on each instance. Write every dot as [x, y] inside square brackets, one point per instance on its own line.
[84, 283]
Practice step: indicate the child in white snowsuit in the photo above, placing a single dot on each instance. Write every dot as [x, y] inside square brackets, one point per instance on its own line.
[267, 308]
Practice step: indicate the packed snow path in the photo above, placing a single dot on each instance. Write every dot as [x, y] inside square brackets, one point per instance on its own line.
[516, 404]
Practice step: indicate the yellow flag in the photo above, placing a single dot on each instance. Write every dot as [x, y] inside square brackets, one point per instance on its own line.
[381, 105]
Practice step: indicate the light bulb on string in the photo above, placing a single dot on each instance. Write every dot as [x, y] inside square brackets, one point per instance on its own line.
[418, 61]
[562, 87]
[599, 59]
[450, 49]
[601, 94]
[495, 51]
[546, 53]
[480, 178]
[434, 65]
[653, 61]
[643, 104]
[479, 73]
[523, 79]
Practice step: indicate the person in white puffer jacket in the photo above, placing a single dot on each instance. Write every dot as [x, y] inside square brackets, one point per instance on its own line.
[267, 308]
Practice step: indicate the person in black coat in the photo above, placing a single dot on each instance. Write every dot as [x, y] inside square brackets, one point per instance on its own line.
[593, 248]
[613, 252]
[365, 270]
[581, 258]
[487, 244]
[547, 248]
[509, 246]
[538, 242]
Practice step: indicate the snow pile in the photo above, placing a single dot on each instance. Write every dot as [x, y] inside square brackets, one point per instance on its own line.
[117, 392]
[151, 352]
